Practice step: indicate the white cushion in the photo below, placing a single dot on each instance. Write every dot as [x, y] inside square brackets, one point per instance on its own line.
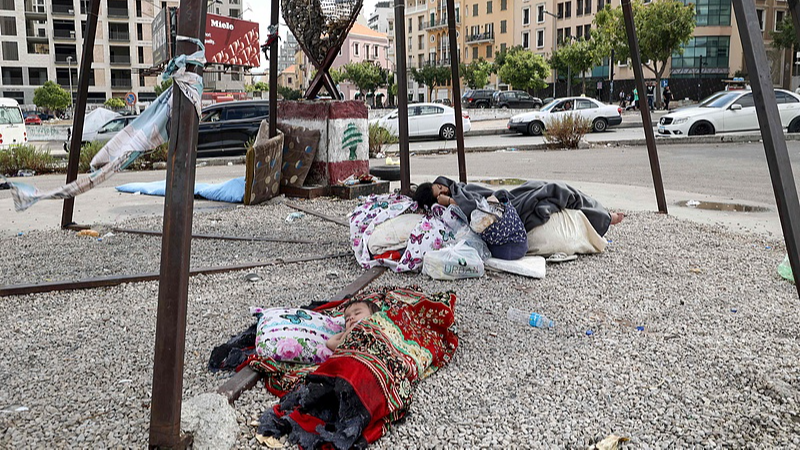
[568, 231]
[528, 266]
[393, 234]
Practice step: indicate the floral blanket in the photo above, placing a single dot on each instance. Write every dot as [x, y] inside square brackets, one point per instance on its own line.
[437, 229]
[351, 399]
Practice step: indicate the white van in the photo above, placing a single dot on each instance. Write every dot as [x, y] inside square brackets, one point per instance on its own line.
[12, 124]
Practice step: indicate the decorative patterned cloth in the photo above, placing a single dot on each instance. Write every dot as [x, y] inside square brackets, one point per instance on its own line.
[300, 146]
[295, 335]
[351, 399]
[437, 229]
[506, 238]
[263, 167]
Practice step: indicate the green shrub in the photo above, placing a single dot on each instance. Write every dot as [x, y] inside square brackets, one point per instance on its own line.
[378, 137]
[146, 161]
[26, 157]
[566, 131]
[88, 151]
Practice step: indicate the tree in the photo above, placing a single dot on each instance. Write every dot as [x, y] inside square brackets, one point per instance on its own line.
[163, 86]
[522, 69]
[289, 94]
[576, 57]
[115, 103]
[51, 96]
[431, 76]
[784, 38]
[663, 27]
[476, 74]
[258, 86]
[366, 76]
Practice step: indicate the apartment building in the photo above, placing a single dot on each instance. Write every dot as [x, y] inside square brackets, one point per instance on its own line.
[489, 29]
[417, 46]
[362, 44]
[289, 47]
[43, 40]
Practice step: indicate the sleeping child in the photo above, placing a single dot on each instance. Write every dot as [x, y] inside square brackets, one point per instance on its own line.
[354, 313]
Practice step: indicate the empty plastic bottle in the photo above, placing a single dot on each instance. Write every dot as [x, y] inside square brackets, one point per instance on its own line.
[527, 318]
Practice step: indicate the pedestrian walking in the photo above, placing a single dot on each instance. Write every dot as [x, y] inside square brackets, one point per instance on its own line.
[651, 94]
[667, 98]
[635, 98]
[622, 99]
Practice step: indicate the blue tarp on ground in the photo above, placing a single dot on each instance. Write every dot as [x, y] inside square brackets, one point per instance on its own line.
[231, 191]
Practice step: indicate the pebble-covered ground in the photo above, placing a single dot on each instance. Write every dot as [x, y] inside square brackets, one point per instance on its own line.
[716, 364]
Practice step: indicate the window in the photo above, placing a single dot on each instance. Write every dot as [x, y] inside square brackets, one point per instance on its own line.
[366, 51]
[138, 9]
[526, 39]
[779, 15]
[355, 48]
[579, 7]
[746, 101]
[141, 81]
[579, 32]
[715, 52]
[600, 5]
[760, 15]
[410, 26]
[37, 75]
[7, 5]
[540, 38]
[141, 54]
[420, 23]
[430, 110]
[489, 7]
[475, 10]
[560, 11]
[234, 13]
[10, 51]
[488, 51]
[375, 51]
[474, 52]
[236, 76]
[139, 32]
[526, 16]
[567, 33]
[560, 35]
[587, 31]
[585, 104]
[503, 27]
[503, 5]
[783, 97]
[568, 9]
[503, 48]
[12, 76]
[420, 42]
[539, 13]
[588, 7]
[711, 12]
[8, 26]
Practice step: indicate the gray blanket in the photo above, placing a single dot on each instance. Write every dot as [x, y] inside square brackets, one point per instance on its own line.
[535, 201]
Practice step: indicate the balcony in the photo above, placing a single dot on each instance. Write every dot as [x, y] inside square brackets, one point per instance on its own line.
[38, 35]
[116, 36]
[35, 11]
[481, 38]
[437, 24]
[62, 59]
[439, 62]
[64, 35]
[63, 10]
[117, 13]
[120, 84]
[120, 60]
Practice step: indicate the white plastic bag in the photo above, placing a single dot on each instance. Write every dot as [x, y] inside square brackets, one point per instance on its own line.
[485, 214]
[474, 240]
[568, 231]
[453, 263]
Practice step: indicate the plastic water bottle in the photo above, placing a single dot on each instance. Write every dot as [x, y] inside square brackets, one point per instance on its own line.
[532, 319]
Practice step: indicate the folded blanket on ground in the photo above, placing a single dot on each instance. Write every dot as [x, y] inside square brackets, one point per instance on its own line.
[231, 191]
[351, 399]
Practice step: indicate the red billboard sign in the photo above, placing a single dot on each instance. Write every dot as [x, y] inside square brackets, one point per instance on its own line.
[232, 41]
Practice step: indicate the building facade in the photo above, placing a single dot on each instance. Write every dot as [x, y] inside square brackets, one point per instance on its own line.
[362, 44]
[43, 40]
[287, 51]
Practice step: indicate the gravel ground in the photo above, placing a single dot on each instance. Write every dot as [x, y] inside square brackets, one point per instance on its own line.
[715, 366]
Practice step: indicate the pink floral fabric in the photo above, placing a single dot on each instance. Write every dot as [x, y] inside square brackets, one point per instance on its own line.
[295, 335]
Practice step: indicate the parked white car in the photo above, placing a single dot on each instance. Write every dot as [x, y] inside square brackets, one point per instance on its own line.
[12, 124]
[728, 111]
[108, 130]
[426, 119]
[601, 115]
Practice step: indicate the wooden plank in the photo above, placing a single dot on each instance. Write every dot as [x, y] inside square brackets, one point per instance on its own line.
[247, 378]
[342, 222]
[217, 236]
[305, 191]
[90, 283]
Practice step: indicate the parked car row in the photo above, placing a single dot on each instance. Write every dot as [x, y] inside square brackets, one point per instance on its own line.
[600, 115]
[426, 120]
[490, 98]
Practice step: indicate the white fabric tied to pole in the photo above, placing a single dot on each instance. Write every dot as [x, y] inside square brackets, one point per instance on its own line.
[143, 134]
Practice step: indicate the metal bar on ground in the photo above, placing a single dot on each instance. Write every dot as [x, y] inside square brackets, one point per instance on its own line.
[247, 377]
[342, 222]
[218, 237]
[173, 287]
[91, 283]
[769, 120]
[79, 111]
[402, 95]
[647, 124]
[456, 82]
[273, 71]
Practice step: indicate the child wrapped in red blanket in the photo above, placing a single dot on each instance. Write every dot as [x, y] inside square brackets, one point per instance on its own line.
[351, 399]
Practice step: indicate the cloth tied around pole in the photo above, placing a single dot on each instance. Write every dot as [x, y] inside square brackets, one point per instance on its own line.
[142, 135]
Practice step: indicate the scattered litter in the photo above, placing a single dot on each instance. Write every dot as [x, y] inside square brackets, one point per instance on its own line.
[137, 193]
[124, 381]
[511, 149]
[561, 257]
[610, 443]
[639, 328]
[90, 233]
[252, 277]
[412, 153]
[492, 334]
[294, 216]
[734, 310]
[230, 163]
[332, 275]
[768, 247]
[696, 270]
[25, 173]
[380, 155]
[692, 203]
[785, 269]
[14, 409]
[20, 233]
[269, 441]
[254, 423]
[392, 162]
[610, 241]
[589, 332]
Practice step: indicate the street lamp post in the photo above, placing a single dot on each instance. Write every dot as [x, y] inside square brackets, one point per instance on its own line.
[555, 47]
[69, 75]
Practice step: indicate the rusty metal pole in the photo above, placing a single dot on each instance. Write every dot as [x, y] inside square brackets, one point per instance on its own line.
[636, 63]
[769, 120]
[79, 111]
[402, 95]
[173, 287]
[456, 81]
[273, 71]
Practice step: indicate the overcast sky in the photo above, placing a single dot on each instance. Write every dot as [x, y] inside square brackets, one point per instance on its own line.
[259, 10]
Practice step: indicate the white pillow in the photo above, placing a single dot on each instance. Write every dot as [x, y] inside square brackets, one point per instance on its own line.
[568, 231]
[296, 335]
[392, 234]
[528, 266]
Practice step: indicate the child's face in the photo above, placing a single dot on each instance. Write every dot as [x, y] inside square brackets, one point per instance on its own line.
[356, 313]
[439, 189]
